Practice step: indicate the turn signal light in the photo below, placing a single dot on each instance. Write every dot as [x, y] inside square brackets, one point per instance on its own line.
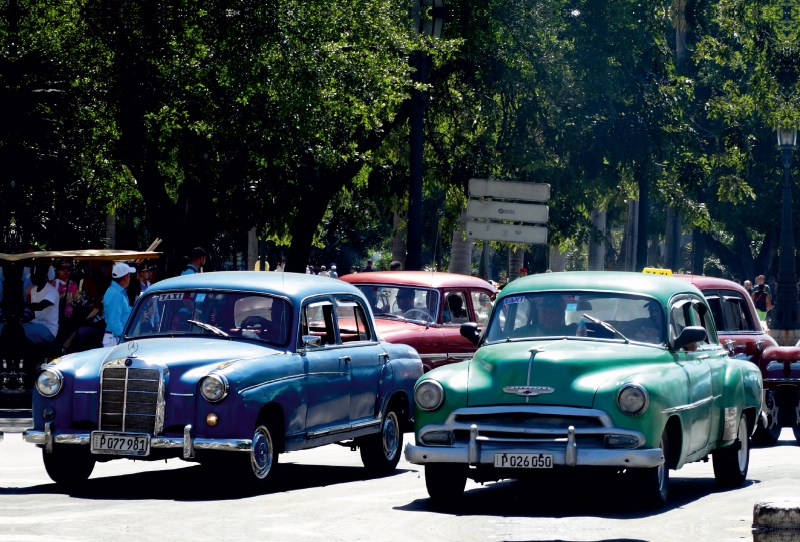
[212, 419]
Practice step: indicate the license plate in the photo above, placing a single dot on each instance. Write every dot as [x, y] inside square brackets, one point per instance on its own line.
[104, 442]
[523, 461]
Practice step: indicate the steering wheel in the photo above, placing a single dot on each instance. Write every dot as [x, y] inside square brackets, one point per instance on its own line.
[253, 321]
[412, 314]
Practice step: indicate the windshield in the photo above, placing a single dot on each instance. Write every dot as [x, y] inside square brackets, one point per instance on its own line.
[560, 314]
[411, 303]
[248, 316]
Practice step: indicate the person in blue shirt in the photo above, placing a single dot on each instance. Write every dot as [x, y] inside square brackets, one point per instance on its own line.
[115, 303]
[197, 259]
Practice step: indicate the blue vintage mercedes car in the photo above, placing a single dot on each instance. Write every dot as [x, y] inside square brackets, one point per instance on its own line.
[229, 370]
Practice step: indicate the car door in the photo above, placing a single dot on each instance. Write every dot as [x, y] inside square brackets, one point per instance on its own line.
[364, 357]
[456, 310]
[698, 376]
[327, 370]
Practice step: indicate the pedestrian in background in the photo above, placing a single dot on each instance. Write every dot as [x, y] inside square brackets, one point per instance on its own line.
[323, 271]
[197, 259]
[395, 266]
[762, 301]
[749, 287]
[280, 266]
[332, 273]
[368, 268]
[116, 305]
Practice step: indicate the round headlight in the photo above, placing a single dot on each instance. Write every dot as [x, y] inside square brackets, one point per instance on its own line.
[632, 399]
[429, 395]
[214, 388]
[49, 382]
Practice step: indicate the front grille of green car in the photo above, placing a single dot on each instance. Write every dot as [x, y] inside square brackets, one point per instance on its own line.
[514, 420]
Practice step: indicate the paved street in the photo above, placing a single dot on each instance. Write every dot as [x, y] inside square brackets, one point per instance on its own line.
[323, 495]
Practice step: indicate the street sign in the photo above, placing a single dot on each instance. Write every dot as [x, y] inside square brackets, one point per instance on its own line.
[492, 231]
[489, 188]
[512, 212]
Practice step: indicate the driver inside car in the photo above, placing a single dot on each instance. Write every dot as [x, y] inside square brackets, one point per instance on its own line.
[404, 301]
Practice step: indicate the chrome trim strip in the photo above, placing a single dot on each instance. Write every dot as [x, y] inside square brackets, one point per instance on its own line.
[188, 442]
[182, 394]
[248, 388]
[792, 380]
[79, 391]
[48, 437]
[696, 404]
[341, 429]
[577, 412]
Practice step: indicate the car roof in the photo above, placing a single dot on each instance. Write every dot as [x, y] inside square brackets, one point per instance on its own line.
[660, 287]
[706, 283]
[296, 286]
[426, 279]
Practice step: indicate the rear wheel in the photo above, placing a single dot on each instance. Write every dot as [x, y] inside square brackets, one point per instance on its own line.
[68, 465]
[380, 453]
[731, 463]
[445, 481]
[653, 482]
[769, 435]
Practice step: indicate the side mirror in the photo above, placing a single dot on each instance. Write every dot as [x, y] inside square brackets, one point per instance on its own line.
[689, 335]
[310, 341]
[471, 332]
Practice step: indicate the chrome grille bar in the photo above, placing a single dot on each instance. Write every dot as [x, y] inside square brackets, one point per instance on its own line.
[130, 399]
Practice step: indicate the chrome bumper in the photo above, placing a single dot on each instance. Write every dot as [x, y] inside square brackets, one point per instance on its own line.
[188, 443]
[480, 450]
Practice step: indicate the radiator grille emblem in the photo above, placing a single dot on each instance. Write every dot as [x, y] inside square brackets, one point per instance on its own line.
[528, 391]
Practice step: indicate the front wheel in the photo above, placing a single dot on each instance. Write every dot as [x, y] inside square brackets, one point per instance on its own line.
[445, 481]
[769, 435]
[654, 482]
[731, 463]
[258, 466]
[380, 453]
[68, 464]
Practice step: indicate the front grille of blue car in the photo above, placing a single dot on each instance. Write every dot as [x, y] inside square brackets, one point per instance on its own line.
[129, 399]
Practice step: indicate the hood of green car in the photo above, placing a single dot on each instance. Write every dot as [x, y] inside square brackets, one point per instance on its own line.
[570, 371]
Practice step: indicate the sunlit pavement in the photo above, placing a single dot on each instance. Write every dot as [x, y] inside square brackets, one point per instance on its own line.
[324, 494]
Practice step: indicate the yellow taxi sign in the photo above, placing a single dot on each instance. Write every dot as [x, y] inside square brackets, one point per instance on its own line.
[657, 271]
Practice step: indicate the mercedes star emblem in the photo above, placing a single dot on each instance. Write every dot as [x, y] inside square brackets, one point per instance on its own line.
[133, 347]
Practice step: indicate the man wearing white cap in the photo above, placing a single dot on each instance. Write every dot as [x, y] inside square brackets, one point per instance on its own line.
[115, 303]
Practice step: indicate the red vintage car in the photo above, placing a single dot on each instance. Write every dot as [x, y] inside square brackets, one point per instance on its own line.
[740, 332]
[426, 309]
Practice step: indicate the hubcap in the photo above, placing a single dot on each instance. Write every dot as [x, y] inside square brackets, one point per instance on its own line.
[261, 453]
[772, 411]
[662, 468]
[742, 436]
[390, 436]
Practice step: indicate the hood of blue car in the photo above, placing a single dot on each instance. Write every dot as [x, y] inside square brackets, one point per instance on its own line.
[187, 359]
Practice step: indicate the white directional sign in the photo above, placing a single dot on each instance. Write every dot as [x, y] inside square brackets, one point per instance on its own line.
[492, 231]
[512, 212]
[489, 188]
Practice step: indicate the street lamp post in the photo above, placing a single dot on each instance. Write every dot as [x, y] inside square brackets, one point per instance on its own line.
[786, 316]
[431, 26]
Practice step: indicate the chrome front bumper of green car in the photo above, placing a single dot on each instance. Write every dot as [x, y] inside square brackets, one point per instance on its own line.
[572, 437]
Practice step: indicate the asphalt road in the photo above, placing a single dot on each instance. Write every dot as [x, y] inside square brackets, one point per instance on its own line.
[323, 494]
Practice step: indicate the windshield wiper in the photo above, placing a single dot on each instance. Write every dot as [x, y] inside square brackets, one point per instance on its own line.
[606, 325]
[209, 327]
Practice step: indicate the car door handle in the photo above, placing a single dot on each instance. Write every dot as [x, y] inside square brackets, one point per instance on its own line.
[348, 359]
[385, 356]
[703, 356]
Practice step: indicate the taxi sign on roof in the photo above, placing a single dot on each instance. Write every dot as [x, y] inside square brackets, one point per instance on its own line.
[657, 271]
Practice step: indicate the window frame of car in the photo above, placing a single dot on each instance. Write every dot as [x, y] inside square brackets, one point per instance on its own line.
[680, 300]
[488, 294]
[330, 299]
[130, 323]
[466, 297]
[724, 295]
[439, 301]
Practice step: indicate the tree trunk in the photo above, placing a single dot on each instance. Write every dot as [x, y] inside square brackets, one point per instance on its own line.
[461, 252]
[631, 235]
[516, 257]
[597, 249]
[643, 219]
[558, 260]
[698, 251]
[399, 240]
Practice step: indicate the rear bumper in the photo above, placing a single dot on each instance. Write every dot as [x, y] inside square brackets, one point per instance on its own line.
[188, 443]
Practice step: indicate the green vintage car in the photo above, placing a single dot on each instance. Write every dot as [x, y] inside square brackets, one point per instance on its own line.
[611, 370]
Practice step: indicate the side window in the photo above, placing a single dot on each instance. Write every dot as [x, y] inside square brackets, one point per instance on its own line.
[455, 308]
[701, 316]
[679, 317]
[352, 321]
[737, 312]
[318, 321]
[715, 303]
[482, 305]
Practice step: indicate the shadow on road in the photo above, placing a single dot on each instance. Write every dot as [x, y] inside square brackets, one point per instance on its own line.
[195, 483]
[569, 495]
